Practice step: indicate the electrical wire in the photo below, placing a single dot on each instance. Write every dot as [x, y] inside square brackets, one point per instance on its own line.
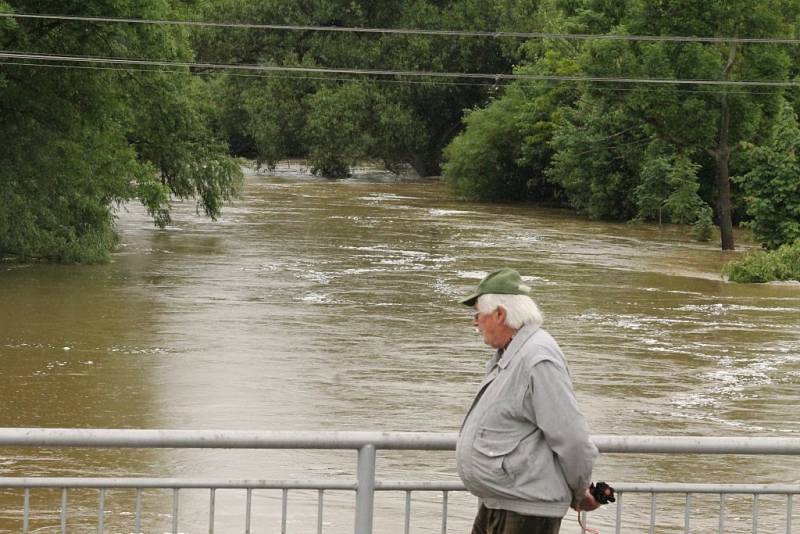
[339, 79]
[239, 74]
[409, 31]
[497, 77]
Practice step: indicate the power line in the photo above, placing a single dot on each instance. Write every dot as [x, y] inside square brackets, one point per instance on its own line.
[340, 79]
[239, 74]
[411, 31]
[498, 77]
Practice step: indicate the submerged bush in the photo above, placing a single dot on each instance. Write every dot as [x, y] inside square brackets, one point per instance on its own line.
[481, 162]
[761, 266]
[703, 228]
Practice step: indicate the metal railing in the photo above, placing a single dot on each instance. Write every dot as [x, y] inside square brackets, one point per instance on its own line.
[365, 485]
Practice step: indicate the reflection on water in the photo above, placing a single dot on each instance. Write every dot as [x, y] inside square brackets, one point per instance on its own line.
[332, 305]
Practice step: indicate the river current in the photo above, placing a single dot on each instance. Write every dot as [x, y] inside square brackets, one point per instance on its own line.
[332, 305]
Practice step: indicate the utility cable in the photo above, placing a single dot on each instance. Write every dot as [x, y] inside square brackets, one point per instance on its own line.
[382, 72]
[411, 31]
[246, 75]
[182, 71]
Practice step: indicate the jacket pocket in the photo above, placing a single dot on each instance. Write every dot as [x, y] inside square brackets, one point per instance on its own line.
[494, 443]
[491, 447]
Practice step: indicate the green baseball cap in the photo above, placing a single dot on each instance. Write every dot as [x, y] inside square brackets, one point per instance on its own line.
[503, 281]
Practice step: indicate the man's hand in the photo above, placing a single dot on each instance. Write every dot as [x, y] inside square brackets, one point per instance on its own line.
[587, 504]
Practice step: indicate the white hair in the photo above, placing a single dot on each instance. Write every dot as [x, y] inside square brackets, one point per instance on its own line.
[520, 310]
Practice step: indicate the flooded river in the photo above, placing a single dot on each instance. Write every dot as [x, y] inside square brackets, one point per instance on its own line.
[332, 305]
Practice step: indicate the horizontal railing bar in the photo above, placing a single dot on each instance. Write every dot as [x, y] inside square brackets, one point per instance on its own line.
[228, 439]
[171, 483]
[697, 445]
[669, 487]
[419, 485]
[380, 485]
[237, 439]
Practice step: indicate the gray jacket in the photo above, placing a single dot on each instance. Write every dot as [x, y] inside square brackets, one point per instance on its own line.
[524, 446]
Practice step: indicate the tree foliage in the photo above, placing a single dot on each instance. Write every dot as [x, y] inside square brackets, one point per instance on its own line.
[760, 266]
[400, 124]
[772, 184]
[482, 163]
[645, 151]
[75, 142]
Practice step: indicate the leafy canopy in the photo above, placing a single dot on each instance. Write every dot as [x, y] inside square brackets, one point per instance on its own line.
[76, 142]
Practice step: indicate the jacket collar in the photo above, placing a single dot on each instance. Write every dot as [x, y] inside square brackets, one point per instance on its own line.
[519, 339]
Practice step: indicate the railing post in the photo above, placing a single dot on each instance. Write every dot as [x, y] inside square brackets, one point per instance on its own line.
[365, 492]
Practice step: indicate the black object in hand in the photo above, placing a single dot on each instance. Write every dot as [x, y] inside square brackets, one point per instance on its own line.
[602, 492]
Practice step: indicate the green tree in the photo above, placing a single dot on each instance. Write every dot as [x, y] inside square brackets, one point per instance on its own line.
[414, 119]
[669, 191]
[772, 185]
[339, 130]
[75, 142]
[506, 147]
[599, 141]
[706, 124]
[481, 162]
[596, 160]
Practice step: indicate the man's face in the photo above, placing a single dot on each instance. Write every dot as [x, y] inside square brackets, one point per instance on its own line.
[492, 327]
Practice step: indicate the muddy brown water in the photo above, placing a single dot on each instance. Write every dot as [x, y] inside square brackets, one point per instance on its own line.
[332, 305]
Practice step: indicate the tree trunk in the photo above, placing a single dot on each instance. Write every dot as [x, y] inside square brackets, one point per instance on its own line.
[722, 156]
[427, 161]
[422, 166]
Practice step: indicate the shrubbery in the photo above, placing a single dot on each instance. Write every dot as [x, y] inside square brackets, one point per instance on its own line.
[766, 266]
[481, 162]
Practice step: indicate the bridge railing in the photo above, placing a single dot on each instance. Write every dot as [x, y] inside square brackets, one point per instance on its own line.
[367, 444]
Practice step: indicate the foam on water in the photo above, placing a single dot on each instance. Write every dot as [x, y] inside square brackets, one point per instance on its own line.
[442, 212]
[722, 308]
[473, 275]
[320, 298]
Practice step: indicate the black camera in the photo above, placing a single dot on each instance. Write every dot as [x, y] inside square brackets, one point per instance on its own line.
[602, 492]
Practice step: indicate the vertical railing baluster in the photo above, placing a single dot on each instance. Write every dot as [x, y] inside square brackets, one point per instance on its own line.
[686, 528]
[284, 506]
[101, 511]
[175, 497]
[652, 513]
[618, 526]
[755, 513]
[721, 513]
[249, 507]
[789, 513]
[26, 509]
[319, 511]
[408, 512]
[63, 510]
[365, 492]
[444, 511]
[211, 505]
[138, 521]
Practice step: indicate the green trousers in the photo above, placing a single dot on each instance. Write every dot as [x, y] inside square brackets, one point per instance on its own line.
[491, 521]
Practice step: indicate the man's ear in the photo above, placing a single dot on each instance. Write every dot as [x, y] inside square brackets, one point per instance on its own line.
[501, 313]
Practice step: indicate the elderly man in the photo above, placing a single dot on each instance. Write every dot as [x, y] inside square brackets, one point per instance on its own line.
[524, 447]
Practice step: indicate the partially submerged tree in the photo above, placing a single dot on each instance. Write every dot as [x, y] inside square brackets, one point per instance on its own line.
[75, 141]
[618, 149]
[772, 185]
[403, 122]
